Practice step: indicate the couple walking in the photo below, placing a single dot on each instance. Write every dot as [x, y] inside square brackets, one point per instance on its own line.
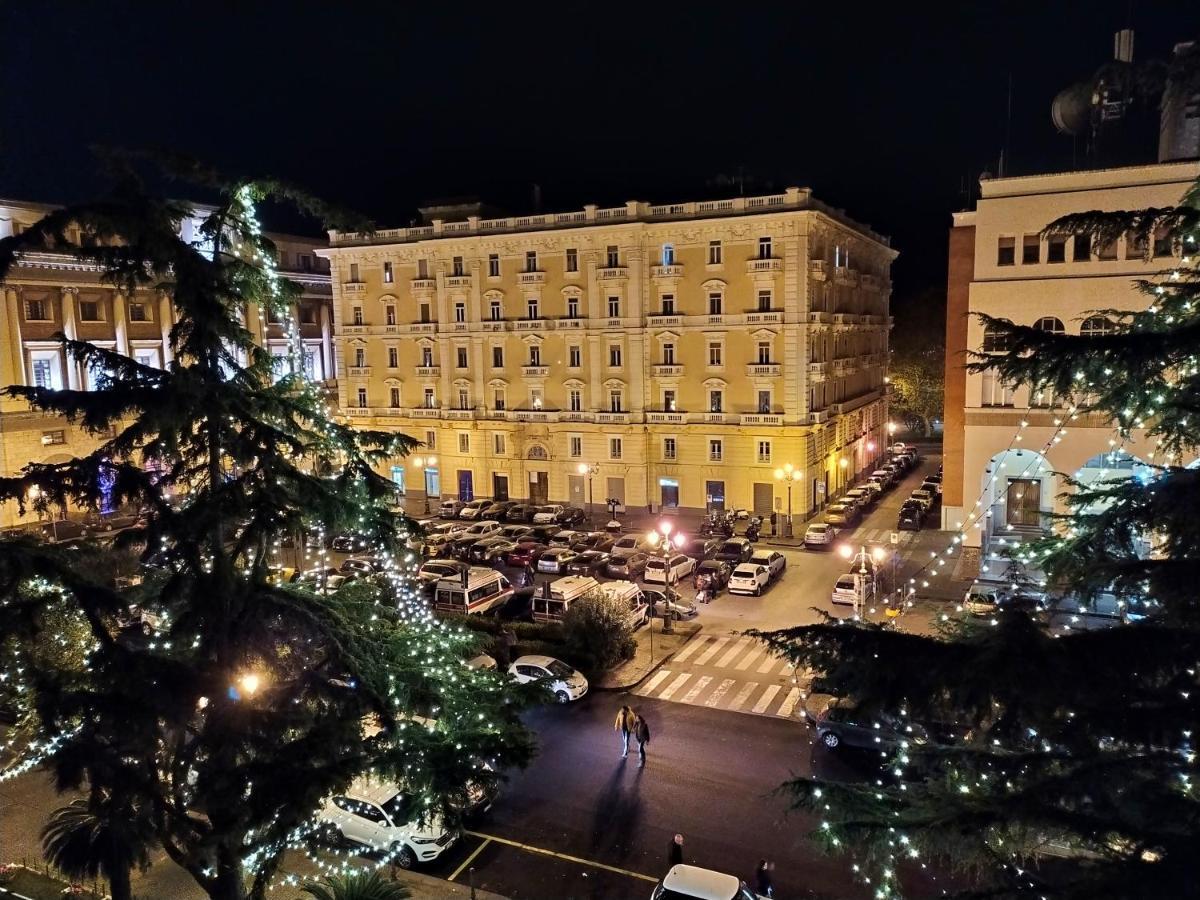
[630, 724]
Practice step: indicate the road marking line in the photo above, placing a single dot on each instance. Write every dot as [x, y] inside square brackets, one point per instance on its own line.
[765, 700]
[771, 661]
[654, 682]
[674, 686]
[700, 685]
[789, 703]
[743, 695]
[729, 655]
[715, 697]
[711, 651]
[691, 648]
[568, 858]
[745, 661]
[470, 859]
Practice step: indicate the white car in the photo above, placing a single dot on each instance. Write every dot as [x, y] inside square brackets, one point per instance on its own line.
[819, 534]
[684, 882]
[626, 546]
[473, 509]
[547, 515]
[749, 578]
[564, 682]
[478, 530]
[924, 497]
[379, 814]
[772, 559]
[673, 570]
[982, 601]
[853, 587]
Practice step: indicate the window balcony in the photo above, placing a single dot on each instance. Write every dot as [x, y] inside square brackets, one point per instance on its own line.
[429, 371]
[763, 370]
[423, 285]
[458, 414]
[818, 371]
[531, 325]
[495, 325]
[718, 418]
[762, 419]
[426, 412]
[664, 321]
[576, 416]
[663, 371]
[423, 328]
[354, 289]
[535, 371]
[531, 279]
[765, 317]
[671, 271]
[535, 415]
[759, 266]
[845, 319]
[612, 418]
[355, 329]
[571, 323]
[844, 275]
[612, 273]
[818, 270]
[458, 281]
[818, 417]
[359, 371]
[820, 318]
[666, 418]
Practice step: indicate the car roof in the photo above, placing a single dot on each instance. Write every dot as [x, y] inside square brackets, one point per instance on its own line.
[535, 659]
[750, 567]
[703, 884]
[372, 790]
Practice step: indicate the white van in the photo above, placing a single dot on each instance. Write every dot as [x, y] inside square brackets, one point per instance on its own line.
[378, 813]
[563, 591]
[632, 599]
[482, 589]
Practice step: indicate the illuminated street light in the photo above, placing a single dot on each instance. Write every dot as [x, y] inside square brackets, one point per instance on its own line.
[789, 475]
[591, 470]
[663, 542]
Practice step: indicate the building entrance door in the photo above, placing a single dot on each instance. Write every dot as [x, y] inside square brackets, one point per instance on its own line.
[433, 484]
[669, 488]
[466, 485]
[764, 498]
[714, 493]
[1024, 503]
[499, 487]
[398, 478]
[539, 487]
[575, 491]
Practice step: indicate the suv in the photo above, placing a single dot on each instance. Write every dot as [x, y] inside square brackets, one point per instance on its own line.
[911, 517]
[735, 550]
[474, 509]
[749, 578]
[772, 559]
[379, 814]
[449, 509]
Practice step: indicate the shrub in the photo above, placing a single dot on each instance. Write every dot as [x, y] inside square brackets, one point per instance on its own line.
[596, 629]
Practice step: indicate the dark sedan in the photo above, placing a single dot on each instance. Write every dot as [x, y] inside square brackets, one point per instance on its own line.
[350, 543]
[712, 575]
[589, 562]
[911, 517]
[701, 548]
[594, 540]
[543, 533]
[496, 510]
[526, 553]
[844, 724]
[520, 513]
[629, 566]
[488, 548]
[571, 516]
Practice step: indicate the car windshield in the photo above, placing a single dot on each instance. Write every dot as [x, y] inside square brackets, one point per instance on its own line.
[818, 529]
[846, 582]
[399, 809]
[656, 564]
[559, 669]
[732, 547]
[626, 542]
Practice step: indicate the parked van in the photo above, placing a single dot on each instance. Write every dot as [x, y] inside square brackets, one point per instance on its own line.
[563, 591]
[480, 590]
[631, 598]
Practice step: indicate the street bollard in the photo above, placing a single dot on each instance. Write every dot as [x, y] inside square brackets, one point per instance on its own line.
[471, 880]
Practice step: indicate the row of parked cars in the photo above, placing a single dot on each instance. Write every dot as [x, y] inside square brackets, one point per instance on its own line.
[511, 511]
[922, 503]
[849, 509]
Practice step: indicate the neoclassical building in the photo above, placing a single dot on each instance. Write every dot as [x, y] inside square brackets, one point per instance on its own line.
[674, 356]
[48, 293]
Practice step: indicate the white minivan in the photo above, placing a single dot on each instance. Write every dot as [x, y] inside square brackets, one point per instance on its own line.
[378, 813]
[672, 570]
[627, 594]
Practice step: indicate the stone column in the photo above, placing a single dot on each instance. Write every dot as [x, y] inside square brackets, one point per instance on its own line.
[12, 347]
[327, 341]
[71, 331]
[166, 319]
[120, 323]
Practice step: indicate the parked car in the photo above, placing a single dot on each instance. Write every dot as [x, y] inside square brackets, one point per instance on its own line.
[332, 583]
[852, 587]
[497, 509]
[629, 566]
[566, 538]
[434, 570]
[884, 476]
[684, 882]
[108, 525]
[438, 546]
[449, 509]
[556, 560]
[627, 544]
[571, 516]
[772, 559]
[668, 571]
[702, 548]
[588, 562]
[749, 578]
[911, 516]
[488, 548]
[547, 515]
[712, 575]
[519, 513]
[862, 497]
[350, 543]
[981, 600]
[819, 535]
[735, 550]
[595, 540]
[925, 498]
[514, 532]
[525, 553]
[843, 723]
[378, 813]
[472, 509]
[543, 533]
[362, 565]
[564, 682]
[841, 514]
[63, 530]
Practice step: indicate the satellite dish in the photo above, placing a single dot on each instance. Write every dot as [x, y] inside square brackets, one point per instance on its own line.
[1072, 109]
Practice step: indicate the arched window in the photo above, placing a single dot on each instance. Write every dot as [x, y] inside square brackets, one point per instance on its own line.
[994, 340]
[1050, 324]
[1093, 326]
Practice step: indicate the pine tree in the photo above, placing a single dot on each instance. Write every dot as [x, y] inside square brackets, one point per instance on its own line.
[1077, 741]
[247, 708]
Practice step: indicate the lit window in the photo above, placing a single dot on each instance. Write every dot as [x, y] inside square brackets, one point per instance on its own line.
[716, 450]
[716, 401]
[389, 314]
[388, 275]
[668, 254]
[572, 264]
[714, 253]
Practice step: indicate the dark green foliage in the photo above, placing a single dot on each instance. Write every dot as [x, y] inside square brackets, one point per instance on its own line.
[597, 633]
[95, 837]
[360, 886]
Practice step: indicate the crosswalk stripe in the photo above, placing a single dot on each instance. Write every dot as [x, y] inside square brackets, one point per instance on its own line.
[700, 685]
[765, 700]
[674, 686]
[743, 695]
[711, 651]
[732, 653]
[744, 662]
[789, 702]
[691, 648]
[769, 663]
[715, 697]
[654, 682]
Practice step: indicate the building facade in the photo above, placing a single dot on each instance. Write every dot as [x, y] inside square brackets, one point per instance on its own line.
[50, 293]
[1001, 476]
[669, 357]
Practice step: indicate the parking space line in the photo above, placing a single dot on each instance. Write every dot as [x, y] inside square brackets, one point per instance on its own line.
[789, 702]
[765, 700]
[470, 859]
[711, 651]
[674, 686]
[700, 685]
[743, 695]
[692, 647]
[723, 688]
[654, 682]
[575, 859]
[732, 653]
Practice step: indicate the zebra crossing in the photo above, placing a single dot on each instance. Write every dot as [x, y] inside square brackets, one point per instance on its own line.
[727, 672]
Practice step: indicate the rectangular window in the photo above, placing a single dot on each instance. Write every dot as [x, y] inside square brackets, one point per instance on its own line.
[460, 357]
[89, 311]
[464, 398]
[535, 398]
[614, 448]
[668, 304]
[464, 442]
[388, 275]
[1056, 249]
[572, 264]
[668, 401]
[668, 254]
[531, 261]
[1162, 242]
[614, 307]
[1006, 251]
[35, 311]
[360, 357]
[389, 314]
[272, 316]
[394, 397]
[1031, 250]
[764, 451]
[148, 358]
[430, 400]
[575, 400]
[499, 401]
[764, 248]
[612, 256]
[575, 445]
[138, 312]
[456, 266]
[393, 357]
[497, 357]
[425, 313]
[574, 356]
[494, 266]
[58, 436]
[764, 301]
[354, 273]
[716, 450]
[535, 355]
[668, 448]
[1108, 251]
[496, 311]
[668, 354]
[305, 262]
[422, 268]
[716, 401]
[715, 302]
[572, 307]
[614, 355]
[460, 312]
[498, 445]
[427, 357]
[362, 398]
[764, 402]
[357, 315]
[714, 253]
[714, 354]
[43, 373]
[614, 401]
[764, 353]
[531, 307]
[1081, 250]
[430, 440]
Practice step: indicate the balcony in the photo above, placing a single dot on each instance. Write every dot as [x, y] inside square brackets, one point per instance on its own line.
[818, 371]
[820, 318]
[355, 329]
[612, 418]
[423, 327]
[818, 270]
[762, 419]
[495, 325]
[570, 323]
[763, 370]
[359, 371]
[612, 273]
[765, 317]
[818, 417]
[458, 414]
[666, 418]
[458, 281]
[535, 371]
[667, 370]
[386, 329]
[534, 415]
[718, 418]
[429, 371]
[531, 279]
[531, 325]
[672, 271]
[426, 412]
[844, 319]
[845, 275]
[354, 289]
[664, 321]
[760, 266]
[422, 285]
[575, 416]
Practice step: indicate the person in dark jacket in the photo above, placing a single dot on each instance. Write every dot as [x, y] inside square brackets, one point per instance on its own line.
[763, 883]
[641, 731]
[675, 854]
[626, 724]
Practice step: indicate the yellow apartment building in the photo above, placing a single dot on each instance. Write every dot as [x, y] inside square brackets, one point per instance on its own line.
[673, 356]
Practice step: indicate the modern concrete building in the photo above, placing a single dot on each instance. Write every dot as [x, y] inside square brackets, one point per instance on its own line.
[669, 356]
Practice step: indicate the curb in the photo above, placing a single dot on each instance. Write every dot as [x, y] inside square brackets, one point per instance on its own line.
[654, 668]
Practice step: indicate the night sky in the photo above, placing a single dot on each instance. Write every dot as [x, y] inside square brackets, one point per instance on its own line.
[886, 111]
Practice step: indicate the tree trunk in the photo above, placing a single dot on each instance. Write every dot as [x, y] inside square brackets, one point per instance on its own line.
[118, 884]
[927, 425]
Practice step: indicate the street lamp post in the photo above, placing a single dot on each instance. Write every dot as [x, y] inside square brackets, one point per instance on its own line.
[591, 470]
[877, 554]
[789, 475]
[663, 542]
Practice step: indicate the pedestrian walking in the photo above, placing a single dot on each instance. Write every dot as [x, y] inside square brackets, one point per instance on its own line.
[625, 724]
[528, 575]
[641, 731]
[701, 596]
[764, 884]
[675, 854]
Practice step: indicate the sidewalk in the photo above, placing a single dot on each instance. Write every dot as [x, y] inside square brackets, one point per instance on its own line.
[629, 673]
